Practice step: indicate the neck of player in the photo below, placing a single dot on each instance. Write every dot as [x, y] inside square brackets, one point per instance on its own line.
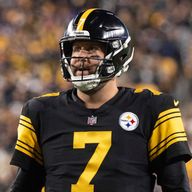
[101, 96]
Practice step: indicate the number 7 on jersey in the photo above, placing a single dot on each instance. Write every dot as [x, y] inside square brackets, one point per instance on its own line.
[103, 138]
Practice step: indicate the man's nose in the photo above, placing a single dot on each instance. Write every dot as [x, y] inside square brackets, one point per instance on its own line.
[83, 56]
[83, 59]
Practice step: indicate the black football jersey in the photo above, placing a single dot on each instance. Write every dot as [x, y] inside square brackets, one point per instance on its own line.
[115, 148]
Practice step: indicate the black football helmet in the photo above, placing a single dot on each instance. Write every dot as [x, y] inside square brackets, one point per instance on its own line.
[101, 26]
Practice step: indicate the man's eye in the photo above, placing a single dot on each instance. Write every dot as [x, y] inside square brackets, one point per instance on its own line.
[94, 56]
[90, 49]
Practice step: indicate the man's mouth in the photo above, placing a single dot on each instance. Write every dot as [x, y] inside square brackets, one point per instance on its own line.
[82, 72]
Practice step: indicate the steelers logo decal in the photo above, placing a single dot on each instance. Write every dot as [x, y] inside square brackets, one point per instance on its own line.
[128, 121]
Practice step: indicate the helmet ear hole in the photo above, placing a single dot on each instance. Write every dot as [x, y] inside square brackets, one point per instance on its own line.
[122, 59]
[107, 69]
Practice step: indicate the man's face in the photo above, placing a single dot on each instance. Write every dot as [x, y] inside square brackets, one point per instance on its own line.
[86, 57]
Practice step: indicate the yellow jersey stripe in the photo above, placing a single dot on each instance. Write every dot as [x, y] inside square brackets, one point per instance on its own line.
[83, 18]
[175, 140]
[155, 92]
[27, 125]
[23, 150]
[26, 147]
[173, 110]
[167, 139]
[50, 94]
[29, 148]
[29, 137]
[25, 119]
[166, 118]
[167, 127]
[164, 130]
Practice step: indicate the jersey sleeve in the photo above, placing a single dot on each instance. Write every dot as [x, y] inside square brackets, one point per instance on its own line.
[168, 139]
[27, 152]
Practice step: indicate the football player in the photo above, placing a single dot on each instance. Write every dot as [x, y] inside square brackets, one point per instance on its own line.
[98, 137]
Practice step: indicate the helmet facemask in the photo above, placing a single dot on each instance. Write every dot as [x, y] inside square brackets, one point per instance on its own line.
[84, 82]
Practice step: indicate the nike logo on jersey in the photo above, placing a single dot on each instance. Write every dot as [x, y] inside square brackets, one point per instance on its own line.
[176, 103]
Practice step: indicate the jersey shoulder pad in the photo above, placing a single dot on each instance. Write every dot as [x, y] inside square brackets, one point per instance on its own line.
[35, 105]
[164, 102]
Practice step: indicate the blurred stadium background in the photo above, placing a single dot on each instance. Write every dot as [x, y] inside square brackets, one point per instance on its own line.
[30, 66]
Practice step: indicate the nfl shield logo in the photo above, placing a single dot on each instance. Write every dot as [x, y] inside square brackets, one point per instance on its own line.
[92, 120]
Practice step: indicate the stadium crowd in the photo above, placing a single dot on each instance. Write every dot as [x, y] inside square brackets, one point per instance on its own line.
[30, 66]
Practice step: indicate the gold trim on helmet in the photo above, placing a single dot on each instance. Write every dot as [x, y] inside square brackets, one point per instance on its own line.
[83, 18]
